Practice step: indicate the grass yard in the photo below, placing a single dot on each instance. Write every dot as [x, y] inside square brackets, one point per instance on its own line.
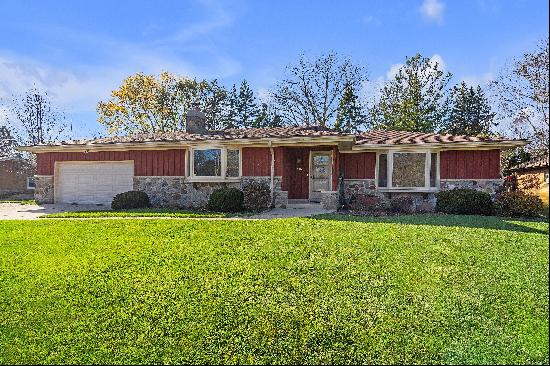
[142, 212]
[21, 202]
[332, 289]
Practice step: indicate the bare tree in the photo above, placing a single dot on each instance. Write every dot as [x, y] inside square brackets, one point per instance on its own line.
[40, 120]
[7, 142]
[521, 93]
[311, 92]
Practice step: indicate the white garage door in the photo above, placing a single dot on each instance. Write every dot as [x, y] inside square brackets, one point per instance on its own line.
[87, 182]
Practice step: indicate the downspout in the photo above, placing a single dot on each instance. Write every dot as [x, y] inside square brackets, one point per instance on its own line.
[272, 182]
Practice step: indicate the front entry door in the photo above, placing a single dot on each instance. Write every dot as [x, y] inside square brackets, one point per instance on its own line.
[298, 172]
[321, 174]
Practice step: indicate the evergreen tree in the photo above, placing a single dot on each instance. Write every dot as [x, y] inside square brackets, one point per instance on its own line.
[230, 119]
[213, 100]
[246, 107]
[470, 112]
[268, 117]
[349, 116]
[415, 100]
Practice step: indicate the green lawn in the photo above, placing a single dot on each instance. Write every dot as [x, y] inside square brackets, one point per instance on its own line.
[332, 289]
[22, 202]
[143, 212]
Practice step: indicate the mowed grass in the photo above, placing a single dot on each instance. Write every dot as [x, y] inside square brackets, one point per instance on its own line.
[142, 212]
[413, 289]
[22, 202]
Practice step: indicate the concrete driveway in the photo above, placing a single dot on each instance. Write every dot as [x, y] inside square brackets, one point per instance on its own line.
[16, 211]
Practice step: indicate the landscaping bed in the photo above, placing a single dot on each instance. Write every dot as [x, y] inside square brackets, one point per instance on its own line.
[330, 289]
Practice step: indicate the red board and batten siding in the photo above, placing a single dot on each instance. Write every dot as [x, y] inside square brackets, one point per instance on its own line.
[358, 165]
[256, 161]
[469, 164]
[146, 162]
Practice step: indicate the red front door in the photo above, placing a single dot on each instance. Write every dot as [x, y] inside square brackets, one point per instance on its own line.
[298, 172]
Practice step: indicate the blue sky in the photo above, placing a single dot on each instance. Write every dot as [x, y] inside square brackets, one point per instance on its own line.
[79, 52]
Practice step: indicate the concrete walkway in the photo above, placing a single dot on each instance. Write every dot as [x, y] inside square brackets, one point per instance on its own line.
[16, 211]
[293, 210]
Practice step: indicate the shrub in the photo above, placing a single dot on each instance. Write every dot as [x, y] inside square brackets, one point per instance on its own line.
[517, 204]
[257, 196]
[464, 202]
[367, 203]
[130, 199]
[402, 204]
[226, 200]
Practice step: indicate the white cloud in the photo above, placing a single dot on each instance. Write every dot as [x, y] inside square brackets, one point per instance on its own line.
[217, 18]
[264, 95]
[371, 90]
[77, 90]
[437, 59]
[392, 72]
[432, 10]
[482, 80]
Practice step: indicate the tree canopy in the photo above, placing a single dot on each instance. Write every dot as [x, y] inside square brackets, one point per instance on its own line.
[470, 112]
[311, 91]
[522, 95]
[350, 116]
[415, 99]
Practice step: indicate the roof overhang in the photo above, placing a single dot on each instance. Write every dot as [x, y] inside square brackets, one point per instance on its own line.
[165, 145]
[501, 145]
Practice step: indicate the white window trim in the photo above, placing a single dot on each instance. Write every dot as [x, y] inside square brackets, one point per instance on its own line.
[190, 166]
[427, 166]
[29, 187]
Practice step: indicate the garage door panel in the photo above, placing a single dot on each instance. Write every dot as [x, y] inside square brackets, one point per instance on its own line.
[93, 182]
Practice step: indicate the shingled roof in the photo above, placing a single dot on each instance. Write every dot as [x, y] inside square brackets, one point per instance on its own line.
[228, 134]
[385, 137]
[365, 140]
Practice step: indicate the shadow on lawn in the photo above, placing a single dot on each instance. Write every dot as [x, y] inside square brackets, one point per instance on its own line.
[486, 222]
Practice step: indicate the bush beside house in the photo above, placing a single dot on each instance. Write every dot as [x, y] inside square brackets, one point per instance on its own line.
[130, 199]
[464, 202]
[368, 204]
[518, 204]
[226, 200]
[257, 196]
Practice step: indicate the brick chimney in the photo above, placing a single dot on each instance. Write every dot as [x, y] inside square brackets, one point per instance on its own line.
[195, 121]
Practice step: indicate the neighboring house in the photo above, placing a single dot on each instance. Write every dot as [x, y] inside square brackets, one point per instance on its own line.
[536, 169]
[299, 163]
[16, 178]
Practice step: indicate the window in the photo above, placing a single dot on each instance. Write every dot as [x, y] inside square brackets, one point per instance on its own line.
[383, 170]
[207, 163]
[31, 184]
[433, 170]
[407, 170]
[214, 163]
[233, 159]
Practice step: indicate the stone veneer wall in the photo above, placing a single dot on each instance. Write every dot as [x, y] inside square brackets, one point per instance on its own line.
[422, 202]
[490, 186]
[280, 197]
[354, 186]
[162, 191]
[330, 200]
[43, 192]
[177, 192]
